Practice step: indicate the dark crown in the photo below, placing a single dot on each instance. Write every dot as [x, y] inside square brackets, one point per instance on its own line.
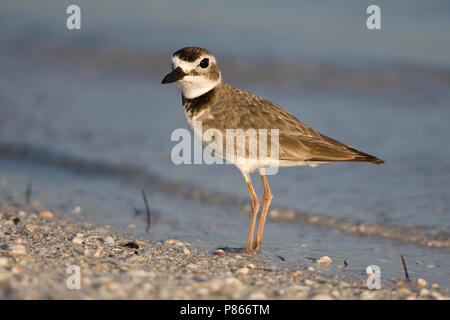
[191, 54]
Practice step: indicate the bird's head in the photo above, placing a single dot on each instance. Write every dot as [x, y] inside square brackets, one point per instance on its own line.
[195, 70]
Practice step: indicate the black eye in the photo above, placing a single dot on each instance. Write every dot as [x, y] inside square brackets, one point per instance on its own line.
[204, 63]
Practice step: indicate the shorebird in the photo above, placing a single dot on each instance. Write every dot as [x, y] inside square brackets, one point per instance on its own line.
[224, 108]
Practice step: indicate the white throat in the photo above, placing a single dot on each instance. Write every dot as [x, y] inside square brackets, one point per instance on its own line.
[195, 86]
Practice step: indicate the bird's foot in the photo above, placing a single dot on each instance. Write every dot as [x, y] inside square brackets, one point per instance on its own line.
[256, 245]
[248, 247]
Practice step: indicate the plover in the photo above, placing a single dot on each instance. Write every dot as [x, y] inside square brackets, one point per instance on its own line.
[224, 108]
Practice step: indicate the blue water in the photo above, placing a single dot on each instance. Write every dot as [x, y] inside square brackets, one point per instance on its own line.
[60, 93]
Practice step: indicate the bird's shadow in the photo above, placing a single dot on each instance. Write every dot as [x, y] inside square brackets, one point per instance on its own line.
[236, 250]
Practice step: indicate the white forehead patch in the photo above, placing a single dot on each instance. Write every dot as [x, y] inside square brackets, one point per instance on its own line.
[189, 66]
[184, 65]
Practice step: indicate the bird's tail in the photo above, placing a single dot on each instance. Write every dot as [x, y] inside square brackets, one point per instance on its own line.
[364, 157]
[370, 159]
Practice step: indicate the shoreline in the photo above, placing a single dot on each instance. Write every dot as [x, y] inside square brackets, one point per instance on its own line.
[37, 247]
[49, 157]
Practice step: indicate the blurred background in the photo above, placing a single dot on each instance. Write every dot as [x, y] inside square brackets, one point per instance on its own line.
[85, 121]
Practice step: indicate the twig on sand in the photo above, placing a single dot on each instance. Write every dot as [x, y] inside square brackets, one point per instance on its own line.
[147, 211]
[28, 193]
[404, 267]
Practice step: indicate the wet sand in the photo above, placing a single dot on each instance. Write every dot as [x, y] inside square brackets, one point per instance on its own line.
[37, 246]
[85, 121]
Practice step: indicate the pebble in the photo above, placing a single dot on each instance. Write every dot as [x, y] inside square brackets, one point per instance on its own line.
[295, 273]
[98, 253]
[131, 245]
[140, 273]
[404, 291]
[46, 214]
[22, 214]
[78, 239]
[192, 266]
[335, 293]
[18, 249]
[95, 238]
[421, 282]
[110, 241]
[110, 271]
[233, 281]
[424, 292]
[322, 296]
[16, 270]
[4, 262]
[437, 295]
[219, 252]
[215, 285]
[309, 282]
[31, 227]
[173, 242]
[243, 270]
[324, 261]
[367, 295]
[186, 251]
[257, 296]
[300, 288]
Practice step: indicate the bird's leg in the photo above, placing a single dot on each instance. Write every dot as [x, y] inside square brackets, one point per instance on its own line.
[255, 209]
[262, 220]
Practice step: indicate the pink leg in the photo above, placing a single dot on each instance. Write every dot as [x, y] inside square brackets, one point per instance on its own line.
[267, 199]
[255, 209]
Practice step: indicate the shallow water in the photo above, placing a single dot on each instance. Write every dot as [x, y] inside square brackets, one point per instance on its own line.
[67, 115]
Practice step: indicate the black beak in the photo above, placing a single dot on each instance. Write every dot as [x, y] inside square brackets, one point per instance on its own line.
[175, 75]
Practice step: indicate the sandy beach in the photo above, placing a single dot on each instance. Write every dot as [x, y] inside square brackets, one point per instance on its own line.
[86, 126]
[38, 246]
